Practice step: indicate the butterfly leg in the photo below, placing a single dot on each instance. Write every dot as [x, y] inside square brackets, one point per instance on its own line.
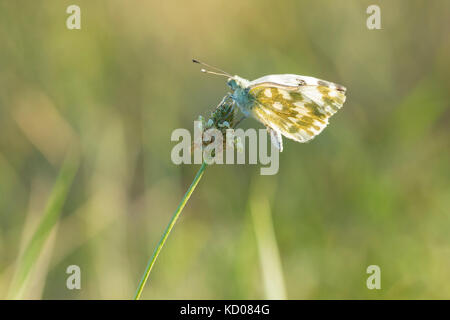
[224, 100]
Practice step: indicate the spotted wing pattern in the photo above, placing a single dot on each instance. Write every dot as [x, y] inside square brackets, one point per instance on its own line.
[297, 107]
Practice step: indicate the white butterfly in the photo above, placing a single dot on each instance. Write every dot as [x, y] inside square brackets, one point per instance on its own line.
[297, 107]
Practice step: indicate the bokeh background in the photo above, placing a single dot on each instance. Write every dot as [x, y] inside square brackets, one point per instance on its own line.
[86, 177]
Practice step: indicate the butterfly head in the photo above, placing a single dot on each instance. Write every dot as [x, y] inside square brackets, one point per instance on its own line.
[237, 82]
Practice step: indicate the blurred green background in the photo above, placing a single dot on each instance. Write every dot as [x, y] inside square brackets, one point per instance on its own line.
[372, 189]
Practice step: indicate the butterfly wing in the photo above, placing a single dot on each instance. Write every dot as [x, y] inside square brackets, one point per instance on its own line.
[297, 107]
[276, 138]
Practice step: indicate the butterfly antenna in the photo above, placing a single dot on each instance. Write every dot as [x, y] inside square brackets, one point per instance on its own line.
[222, 73]
[216, 73]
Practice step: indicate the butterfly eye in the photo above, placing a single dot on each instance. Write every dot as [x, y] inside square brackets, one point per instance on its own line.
[232, 84]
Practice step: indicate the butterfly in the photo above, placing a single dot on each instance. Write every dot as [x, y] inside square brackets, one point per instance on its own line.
[290, 105]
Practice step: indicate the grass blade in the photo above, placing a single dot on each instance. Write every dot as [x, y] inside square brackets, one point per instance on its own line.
[269, 256]
[49, 219]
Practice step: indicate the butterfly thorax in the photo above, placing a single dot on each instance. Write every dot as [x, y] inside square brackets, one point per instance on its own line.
[241, 95]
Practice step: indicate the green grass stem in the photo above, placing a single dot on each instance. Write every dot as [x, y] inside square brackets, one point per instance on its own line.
[169, 228]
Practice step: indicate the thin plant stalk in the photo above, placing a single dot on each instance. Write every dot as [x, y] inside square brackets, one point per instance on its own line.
[169, 228]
